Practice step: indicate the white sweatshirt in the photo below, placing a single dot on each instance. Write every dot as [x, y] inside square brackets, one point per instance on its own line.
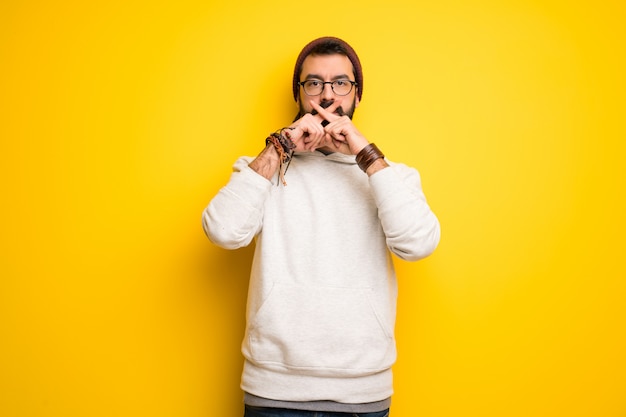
[322, 297]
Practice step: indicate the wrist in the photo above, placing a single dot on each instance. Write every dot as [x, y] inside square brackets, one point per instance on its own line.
[266, 163]
[276, 156]
[376, 166]
[368, 156]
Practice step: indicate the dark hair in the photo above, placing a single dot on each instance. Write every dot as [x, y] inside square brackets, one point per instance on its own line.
[328, 46]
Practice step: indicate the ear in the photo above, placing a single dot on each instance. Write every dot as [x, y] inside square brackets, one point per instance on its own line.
[356, 101]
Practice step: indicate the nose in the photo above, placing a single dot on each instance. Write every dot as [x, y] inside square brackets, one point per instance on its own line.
[327, 93]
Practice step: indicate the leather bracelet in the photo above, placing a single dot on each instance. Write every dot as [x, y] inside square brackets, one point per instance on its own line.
[284, 147]
[281, 141]
[367, 156]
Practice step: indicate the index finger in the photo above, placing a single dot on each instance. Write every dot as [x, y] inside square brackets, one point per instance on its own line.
[327, 114]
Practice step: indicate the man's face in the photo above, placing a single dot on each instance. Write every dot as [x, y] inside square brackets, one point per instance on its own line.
[328, 68]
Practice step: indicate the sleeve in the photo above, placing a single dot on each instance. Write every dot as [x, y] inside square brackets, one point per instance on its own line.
[411, 228]
[235, 215]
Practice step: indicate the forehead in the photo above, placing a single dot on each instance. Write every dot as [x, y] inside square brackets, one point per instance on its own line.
[326, 66]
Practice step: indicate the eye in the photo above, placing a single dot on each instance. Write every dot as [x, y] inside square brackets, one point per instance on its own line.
[314, 83]
[341, 83]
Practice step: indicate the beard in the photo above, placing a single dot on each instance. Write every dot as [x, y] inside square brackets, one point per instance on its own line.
[325, 104]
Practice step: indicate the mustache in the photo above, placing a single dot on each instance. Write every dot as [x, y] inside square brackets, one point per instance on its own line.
[325, 105]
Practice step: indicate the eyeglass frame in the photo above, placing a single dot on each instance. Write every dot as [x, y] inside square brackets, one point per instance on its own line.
[352, 85]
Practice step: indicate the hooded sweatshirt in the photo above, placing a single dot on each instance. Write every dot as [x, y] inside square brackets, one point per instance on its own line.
[322, 294]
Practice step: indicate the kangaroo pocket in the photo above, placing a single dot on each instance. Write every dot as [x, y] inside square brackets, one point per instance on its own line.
[325, 330]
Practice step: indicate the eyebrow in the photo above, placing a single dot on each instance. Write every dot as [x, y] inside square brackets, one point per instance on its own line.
[319, 77]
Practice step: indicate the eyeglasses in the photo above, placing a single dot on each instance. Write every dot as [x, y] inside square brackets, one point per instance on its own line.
[316, 87]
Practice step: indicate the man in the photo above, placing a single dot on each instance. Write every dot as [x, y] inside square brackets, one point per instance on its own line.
[321, 308]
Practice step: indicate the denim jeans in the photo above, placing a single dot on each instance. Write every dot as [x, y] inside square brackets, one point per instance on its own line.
[281, 412]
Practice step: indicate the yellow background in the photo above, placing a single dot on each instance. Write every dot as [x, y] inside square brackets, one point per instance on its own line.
[120, 119]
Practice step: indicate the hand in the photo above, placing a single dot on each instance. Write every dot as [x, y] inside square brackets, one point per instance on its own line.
[307, 133]
[338, 135]
[341, 134]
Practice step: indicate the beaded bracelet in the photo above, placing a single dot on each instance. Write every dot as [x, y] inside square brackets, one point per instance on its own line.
[367, 156]
[285, 147]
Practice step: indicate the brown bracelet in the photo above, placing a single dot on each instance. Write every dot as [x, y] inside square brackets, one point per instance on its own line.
[367, 156]
[284, 147]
